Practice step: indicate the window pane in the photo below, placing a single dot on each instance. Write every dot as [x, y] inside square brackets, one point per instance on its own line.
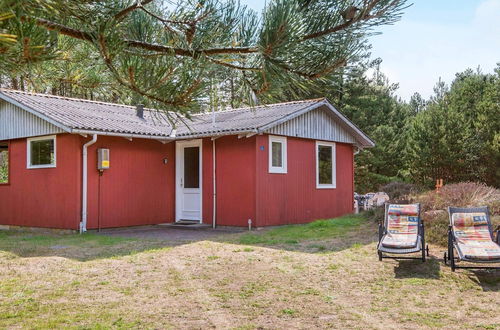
[277, 153]
[325, 164]
[192, 167]
[4, 164]
[42, 152]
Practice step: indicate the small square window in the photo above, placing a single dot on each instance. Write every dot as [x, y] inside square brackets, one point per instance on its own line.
[325, 165]
[277, 154]
[42, 152]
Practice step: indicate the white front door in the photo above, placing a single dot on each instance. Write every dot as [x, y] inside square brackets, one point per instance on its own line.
[188, 180]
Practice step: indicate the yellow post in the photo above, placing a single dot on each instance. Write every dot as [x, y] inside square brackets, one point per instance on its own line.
[439, 184]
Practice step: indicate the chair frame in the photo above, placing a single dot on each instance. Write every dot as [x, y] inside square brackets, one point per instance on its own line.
[449, 256]
[421, 246]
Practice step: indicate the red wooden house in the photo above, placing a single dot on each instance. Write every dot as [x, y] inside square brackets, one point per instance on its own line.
[79, 164]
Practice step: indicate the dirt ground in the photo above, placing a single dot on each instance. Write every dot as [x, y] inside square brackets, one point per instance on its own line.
[212, 281]
[171, 234]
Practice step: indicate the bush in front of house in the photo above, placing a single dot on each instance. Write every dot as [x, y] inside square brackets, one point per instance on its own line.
[465, 194]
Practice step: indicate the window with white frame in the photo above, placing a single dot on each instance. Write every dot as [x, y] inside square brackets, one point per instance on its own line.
[41, 152]
[325, 165]
[4, 162]
[277, 154]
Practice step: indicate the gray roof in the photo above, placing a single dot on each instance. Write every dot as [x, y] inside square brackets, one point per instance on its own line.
[87, 117]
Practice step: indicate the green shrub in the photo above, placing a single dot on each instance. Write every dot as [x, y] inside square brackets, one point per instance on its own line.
[436, 227]
[400, 191]
[375, 214]
[365, 181]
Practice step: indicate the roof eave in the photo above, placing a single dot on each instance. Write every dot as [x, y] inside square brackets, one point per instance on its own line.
[216, 134]
[125, 135]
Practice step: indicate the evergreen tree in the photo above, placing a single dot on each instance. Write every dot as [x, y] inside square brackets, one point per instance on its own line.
[456, 137]
[172, 53]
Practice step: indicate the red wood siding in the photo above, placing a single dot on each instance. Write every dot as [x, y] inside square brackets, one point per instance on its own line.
[47, 197]
[293, 197]
[138, 189]
[235, 180]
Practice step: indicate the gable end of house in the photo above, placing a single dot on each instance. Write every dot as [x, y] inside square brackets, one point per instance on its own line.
[317, 124]
[16, 122]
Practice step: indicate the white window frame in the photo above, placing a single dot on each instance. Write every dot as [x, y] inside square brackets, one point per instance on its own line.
[333, 185]
[278, 169]
[28, 151]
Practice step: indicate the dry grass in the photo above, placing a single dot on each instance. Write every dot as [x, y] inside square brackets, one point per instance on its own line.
[315, 283]
[465, 194]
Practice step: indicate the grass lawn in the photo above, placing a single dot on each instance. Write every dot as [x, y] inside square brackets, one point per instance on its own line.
[321, 275]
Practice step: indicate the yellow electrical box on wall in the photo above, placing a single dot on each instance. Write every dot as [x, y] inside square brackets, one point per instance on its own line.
[102, 159]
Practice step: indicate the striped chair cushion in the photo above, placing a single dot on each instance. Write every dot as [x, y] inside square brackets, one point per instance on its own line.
[402, 226]
[473, 236]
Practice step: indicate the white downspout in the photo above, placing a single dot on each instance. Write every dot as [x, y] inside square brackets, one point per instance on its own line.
[83, 223]
[214, 208]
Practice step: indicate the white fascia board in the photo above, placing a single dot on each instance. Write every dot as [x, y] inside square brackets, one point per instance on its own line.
[124, 135]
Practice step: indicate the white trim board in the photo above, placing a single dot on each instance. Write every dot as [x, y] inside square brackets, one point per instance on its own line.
[283, 169]
[179, 179]
[28, 152]
[333, 185]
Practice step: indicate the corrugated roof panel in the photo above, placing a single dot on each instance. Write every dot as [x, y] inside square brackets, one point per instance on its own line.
[85, 115]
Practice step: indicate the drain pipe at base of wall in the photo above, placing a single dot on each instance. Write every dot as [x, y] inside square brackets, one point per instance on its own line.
[214, 208]
[83, 223]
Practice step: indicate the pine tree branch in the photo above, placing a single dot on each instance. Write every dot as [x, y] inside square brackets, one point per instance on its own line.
[181, 100]
[337, 64]
[190, 52]
[364, 15]
[62, 29]
[126, 11]
[167, 50]
[233, 66]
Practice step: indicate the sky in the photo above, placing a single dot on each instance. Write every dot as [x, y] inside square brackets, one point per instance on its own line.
[435, 39]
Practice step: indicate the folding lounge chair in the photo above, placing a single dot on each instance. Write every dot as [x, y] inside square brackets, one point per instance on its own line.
[471, 235]
[402, 232]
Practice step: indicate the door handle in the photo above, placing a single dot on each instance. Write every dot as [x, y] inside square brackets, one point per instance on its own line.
[182, 185]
